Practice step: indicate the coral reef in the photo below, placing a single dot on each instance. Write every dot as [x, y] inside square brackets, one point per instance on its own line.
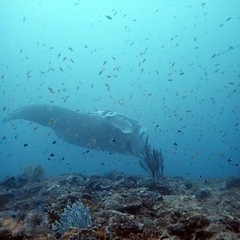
[121, 207]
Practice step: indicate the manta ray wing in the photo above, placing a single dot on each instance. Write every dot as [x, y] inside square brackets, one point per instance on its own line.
[103, 130]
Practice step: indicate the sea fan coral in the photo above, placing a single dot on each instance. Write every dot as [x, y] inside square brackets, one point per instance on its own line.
[75, 216]
[33, 172]
[151, 160]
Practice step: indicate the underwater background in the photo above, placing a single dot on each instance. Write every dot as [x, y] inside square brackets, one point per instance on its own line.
[173, 65]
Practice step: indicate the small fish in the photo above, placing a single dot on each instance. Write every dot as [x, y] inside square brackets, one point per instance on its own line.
[87, 151]
[101, 71]
[66, 98]
[107, 16]
[70, 49]
[51, 155]
[113, 139]
[108, 86]
[181, 73]
[50, 90]
[61, 69]
[54, 142]
[25, 145]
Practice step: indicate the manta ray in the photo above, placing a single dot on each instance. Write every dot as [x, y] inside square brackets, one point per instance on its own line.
[101, 130]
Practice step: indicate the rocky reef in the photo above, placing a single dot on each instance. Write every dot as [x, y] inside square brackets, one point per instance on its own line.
[116, 206]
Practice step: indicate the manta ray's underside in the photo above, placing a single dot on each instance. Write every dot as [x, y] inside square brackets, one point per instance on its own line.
[102, 130]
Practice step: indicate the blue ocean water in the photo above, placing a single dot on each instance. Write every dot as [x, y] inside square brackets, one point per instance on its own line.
[173, 65]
